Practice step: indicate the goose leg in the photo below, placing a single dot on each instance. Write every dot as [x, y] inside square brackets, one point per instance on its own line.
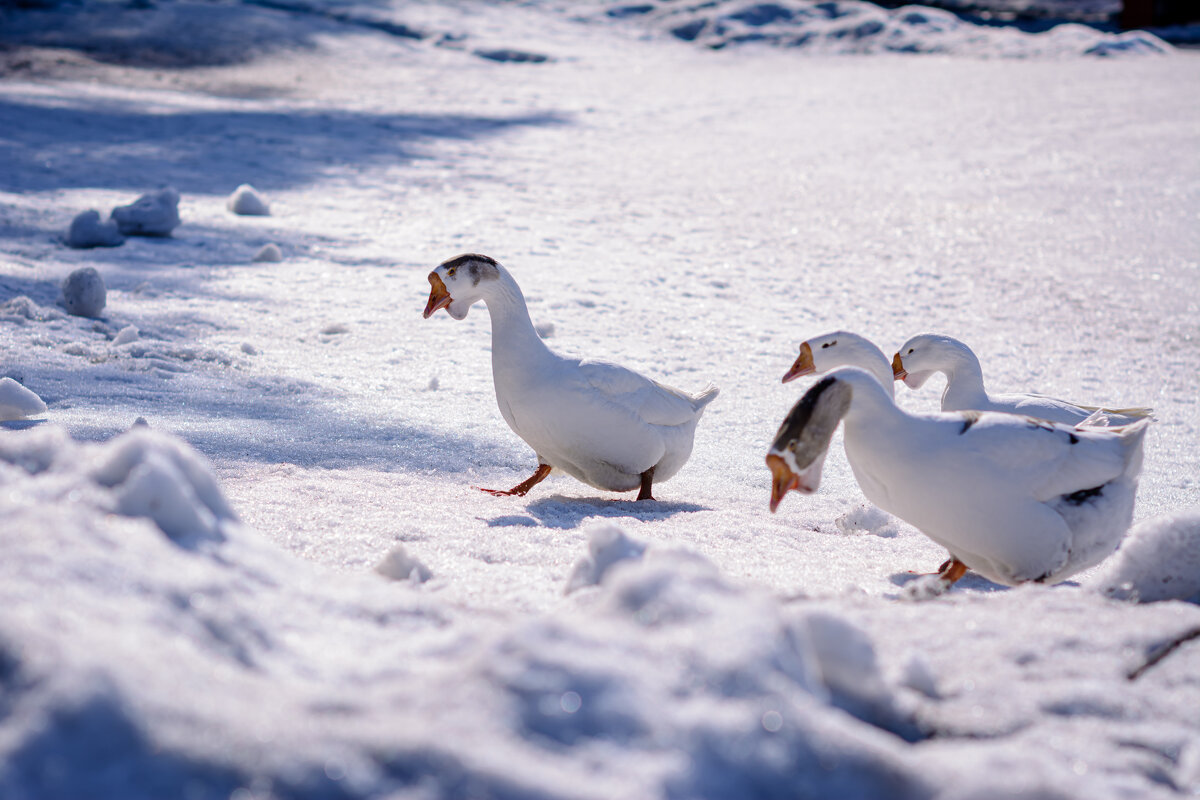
[951, 571]
[647, 480]
[522, 488]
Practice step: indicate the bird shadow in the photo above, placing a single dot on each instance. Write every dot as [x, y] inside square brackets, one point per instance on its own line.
[565, 513]
[970, 581]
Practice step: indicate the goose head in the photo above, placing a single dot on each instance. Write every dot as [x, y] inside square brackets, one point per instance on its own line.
[825, 353]
[798, 452]
[459, 283]
[921, 356]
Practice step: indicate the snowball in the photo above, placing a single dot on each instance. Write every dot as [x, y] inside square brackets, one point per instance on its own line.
[83, 293]
[247, 202]
[269, 253]
[400, 566]
[1159, 560]
[152, 214]
[607, 545]
[17, 402]
[126, 335]
[88, 231]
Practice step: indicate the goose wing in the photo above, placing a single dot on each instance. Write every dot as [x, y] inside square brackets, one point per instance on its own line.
[650, 401]
[1045, 459]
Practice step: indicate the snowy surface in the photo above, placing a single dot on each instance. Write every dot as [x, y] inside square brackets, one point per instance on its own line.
[193, 609]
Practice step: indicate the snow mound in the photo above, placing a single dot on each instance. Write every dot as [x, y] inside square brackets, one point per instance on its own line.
[1158, 560]
[247, 202]
[269, 253]
[853, 27]
[607, 545]
[131, 675]
[22, 309]
[866, 518]
[127, 335]
[83, 293]
[88, 231]
[400, 566]
[17, 402]
[152, 214]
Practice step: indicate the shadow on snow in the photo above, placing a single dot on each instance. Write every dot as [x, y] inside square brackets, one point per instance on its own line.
[559, 511]
[113, 145]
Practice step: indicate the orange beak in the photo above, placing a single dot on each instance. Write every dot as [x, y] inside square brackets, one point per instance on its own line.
[803, 365]
[899, 373]
[783, 480]
[438, 296]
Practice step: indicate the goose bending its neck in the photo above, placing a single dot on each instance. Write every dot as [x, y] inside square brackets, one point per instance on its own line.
[599, 422]
[1013, 498]
[923, 355]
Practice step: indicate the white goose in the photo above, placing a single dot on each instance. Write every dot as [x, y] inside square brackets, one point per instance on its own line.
[923, 355]
[1013, 498]
[604, 424]
[820, 354]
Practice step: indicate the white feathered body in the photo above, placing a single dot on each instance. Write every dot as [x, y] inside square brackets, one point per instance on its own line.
[1015, 499]
[598, 422]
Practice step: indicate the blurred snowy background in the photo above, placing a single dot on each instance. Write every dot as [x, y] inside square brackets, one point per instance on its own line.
[240, 554]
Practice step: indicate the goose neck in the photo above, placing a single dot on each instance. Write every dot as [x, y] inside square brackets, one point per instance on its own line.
[964, 381]
[513, 335]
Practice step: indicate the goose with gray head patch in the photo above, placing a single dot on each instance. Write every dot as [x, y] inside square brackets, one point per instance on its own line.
[1013, 498]
[922, 356]
[601, 423]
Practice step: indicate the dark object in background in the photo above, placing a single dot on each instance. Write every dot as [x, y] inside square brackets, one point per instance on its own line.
[1158, 13]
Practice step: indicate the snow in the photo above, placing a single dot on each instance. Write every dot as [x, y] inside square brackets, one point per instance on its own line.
[152, 214]
[1159, 560]
[191, 602]
[83, 292]
[88, 231]
[247, 202]
[17, 402]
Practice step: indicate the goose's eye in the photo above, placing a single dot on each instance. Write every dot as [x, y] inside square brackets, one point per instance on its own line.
[910, 351]
[450, 274]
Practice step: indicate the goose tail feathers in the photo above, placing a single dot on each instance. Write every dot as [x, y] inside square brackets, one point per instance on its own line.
[705, 396]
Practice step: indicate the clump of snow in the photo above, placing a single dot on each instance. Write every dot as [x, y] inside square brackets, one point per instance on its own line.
[152, 214]
[88, 231]
[850, 26]
[433, 384]
[249, 349]
[607, 545]
[21, 309]
[247, 202]
[545, 329]
[83, 292]
[866, 518]
[400, 566]
[153, 475]
[269, 253]
[1158, 560]
[126, 335]
[17, 402]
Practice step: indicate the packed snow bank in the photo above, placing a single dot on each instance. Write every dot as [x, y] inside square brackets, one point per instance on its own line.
[160, 621]
[849, 26]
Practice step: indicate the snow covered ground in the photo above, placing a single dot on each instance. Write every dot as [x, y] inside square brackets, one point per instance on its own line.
[192, 610]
